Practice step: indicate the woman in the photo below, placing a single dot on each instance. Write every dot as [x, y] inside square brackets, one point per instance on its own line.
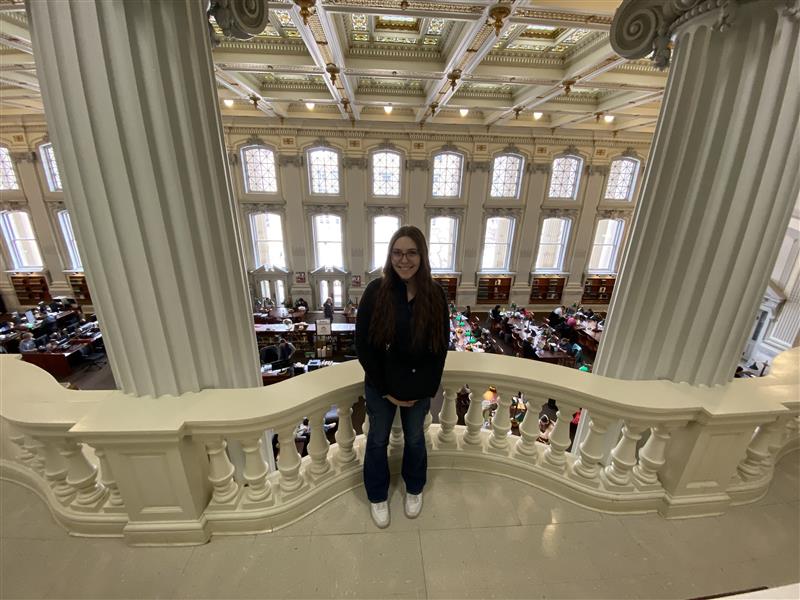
[327, 309]
[402, 332]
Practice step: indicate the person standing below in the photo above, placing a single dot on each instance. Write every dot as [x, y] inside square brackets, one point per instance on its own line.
[402, 333]
[327, 309]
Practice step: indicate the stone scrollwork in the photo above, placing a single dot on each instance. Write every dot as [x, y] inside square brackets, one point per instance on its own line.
[423, 164]
[240, 19]
[479, 165]
[25, 156]
[565, 213]
[614, 214]
[295, 160]
[597, 170]
[535, 167]
[355, 162]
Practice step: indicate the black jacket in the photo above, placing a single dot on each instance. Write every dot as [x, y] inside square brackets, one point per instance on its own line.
[399, 370]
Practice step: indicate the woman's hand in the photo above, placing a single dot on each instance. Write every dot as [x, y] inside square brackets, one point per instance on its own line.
[401, 403]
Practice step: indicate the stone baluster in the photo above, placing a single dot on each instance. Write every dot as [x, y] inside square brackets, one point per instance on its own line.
[555, 454]
[529, 430]
[259, 489]
[36, 449]
[55, 471]
[318, 446]
[365, 427]
[396, 437]
[81, 476]
[447, 421]
[426, 426]
[623, 456]
[757, 460]
[472, 438]
[501, 425]
[652, 457]
[782, 436]
[588, 465]
[25, 455]
[289, 461]
[115, 502]
[220, 473]
[345, 436]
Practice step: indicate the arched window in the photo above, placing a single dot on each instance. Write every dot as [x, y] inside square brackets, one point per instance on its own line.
[8, 177]
[442, 243]
[497, 243]
[564, 177]
[328, 241]
[607, 238]
[447, 168]
[259, 170]
[552, 244]
[325, 287]
[383, 228]
[20, 239]
[386, 173]
[268, 240]
[622, 179]
[506, 176]
[50, 167]
[323, 170]
[69, 240]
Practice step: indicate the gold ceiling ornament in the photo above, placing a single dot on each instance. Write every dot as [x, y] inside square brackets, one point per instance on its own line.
[346, 104]
[434, 106]
[255, 100]
[404, 5]
[454, 76]
[568, 86]
[497, 13]
[305, 8]
[517, 110]
[333, 71]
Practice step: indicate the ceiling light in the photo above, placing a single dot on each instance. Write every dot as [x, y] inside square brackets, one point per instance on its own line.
[387, 109]
[463, 112]
[608, 118]
[310, 105]
[537, 116]
[228, 102]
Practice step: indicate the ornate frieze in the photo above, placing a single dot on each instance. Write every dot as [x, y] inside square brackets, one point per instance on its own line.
[25, 156]
[249, 208]
[631, 153]
[414, 164]
[444, 211]
[479, 165]
[501, 211]
[375, 210]
[562, 213]
[355, 162]
[20, 204]
[597, 170]
[295, 160]
[325, 209]
[615, 214]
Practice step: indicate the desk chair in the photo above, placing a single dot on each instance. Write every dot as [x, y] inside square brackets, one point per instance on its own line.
[97, 360]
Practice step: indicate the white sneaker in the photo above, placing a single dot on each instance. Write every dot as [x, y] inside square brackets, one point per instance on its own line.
[413, 505]
[380, 513]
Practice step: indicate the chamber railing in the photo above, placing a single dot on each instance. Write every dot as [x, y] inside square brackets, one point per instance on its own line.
[159, 470]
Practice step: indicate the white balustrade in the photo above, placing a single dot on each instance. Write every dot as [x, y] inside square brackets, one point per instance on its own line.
[25, 455]
[55, 472]
[318, 446]
[472, 439]
[259, 489]
[115, 502]
[220, 472]
[501, 424]
[81, 476]
[396, 436]
[554, 457]
[447, 421]
[623, 456]
[289, 461]
[35, 449]
[345, 436]
[652, 456]
[529, 431]
[587, 466]
[426, 426]
[756, 462]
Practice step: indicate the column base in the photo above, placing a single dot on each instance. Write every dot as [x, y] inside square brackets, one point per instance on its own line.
[694, 506]
[167, 533]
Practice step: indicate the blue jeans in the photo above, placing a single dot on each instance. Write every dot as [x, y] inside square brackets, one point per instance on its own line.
[415, 455]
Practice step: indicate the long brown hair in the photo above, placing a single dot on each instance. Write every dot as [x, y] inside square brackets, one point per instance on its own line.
[429, 302]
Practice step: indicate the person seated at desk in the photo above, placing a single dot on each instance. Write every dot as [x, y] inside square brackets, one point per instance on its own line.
[285, 350]
[27, 344]
[269, 355]
[556, 317]
[467, 312]
[300, 303]
[528, 351]
[495, 314]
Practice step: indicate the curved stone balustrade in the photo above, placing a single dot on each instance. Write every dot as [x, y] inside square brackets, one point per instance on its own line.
[156, 470]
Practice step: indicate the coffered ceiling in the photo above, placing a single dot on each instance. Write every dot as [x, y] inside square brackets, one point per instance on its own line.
[503, 61]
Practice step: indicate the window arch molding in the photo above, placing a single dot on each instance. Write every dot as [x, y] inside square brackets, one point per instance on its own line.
[515, 215]
[443, 184]
[616, 247]
[566, 174]
[499, 186]
[265, 173]
[631, 157]
[325, 186]
[400, 156]
[248, 210]
[571, 216]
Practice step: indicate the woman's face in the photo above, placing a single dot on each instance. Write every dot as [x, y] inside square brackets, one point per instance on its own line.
[405, 258]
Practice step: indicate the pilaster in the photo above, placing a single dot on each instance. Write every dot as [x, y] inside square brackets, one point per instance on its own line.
[538, 174]
[418, 171]
[477, 189]
[355, 192]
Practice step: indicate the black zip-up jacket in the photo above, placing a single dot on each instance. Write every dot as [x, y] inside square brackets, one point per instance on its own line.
[399, 370]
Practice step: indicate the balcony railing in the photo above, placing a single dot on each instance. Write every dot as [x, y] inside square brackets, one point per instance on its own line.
[156, 470]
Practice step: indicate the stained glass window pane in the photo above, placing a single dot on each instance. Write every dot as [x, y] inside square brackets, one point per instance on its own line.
[564, 177]
[383, 229]
[386, 174]
[51, 167]
[447, 174]
[442, 243]
[268, 240]
[606, 244]
[552, 243]
[324, 171]
[328, 239]
[259, 170]
[621, 179]
[497, 243]
[8, 178]
[506, 176]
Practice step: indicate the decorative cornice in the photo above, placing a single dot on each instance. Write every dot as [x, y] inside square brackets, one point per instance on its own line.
[502, 211]
[295, 160]
[355, 162]
[631, 153]
[534, 167]
[571, 149]
[597, 170]
[254, 140]
[567, 213]
[20, 204]
[479, 165]
[249, 208]
[318, 209]
[615, 213]
[450, 147]
[376, 210]
[422, 164]
[444, 211]
[18, 157]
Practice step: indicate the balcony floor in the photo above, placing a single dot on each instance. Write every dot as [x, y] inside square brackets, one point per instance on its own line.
[479, 536]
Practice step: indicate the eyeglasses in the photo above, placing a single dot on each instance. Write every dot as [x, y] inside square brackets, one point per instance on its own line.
[409, 254]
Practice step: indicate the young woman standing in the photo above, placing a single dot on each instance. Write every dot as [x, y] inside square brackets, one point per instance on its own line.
[402, 333]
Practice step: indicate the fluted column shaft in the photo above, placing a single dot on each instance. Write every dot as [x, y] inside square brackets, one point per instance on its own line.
[718, 191]
[131, 106]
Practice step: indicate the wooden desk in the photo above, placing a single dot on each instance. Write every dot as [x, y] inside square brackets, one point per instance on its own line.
[58, 364]
[557, 358]
[10, 341]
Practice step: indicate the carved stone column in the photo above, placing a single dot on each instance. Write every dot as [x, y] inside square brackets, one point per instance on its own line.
[722, 178]
[136, 126]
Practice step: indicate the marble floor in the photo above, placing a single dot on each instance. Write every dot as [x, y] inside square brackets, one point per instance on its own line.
[479, 536]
